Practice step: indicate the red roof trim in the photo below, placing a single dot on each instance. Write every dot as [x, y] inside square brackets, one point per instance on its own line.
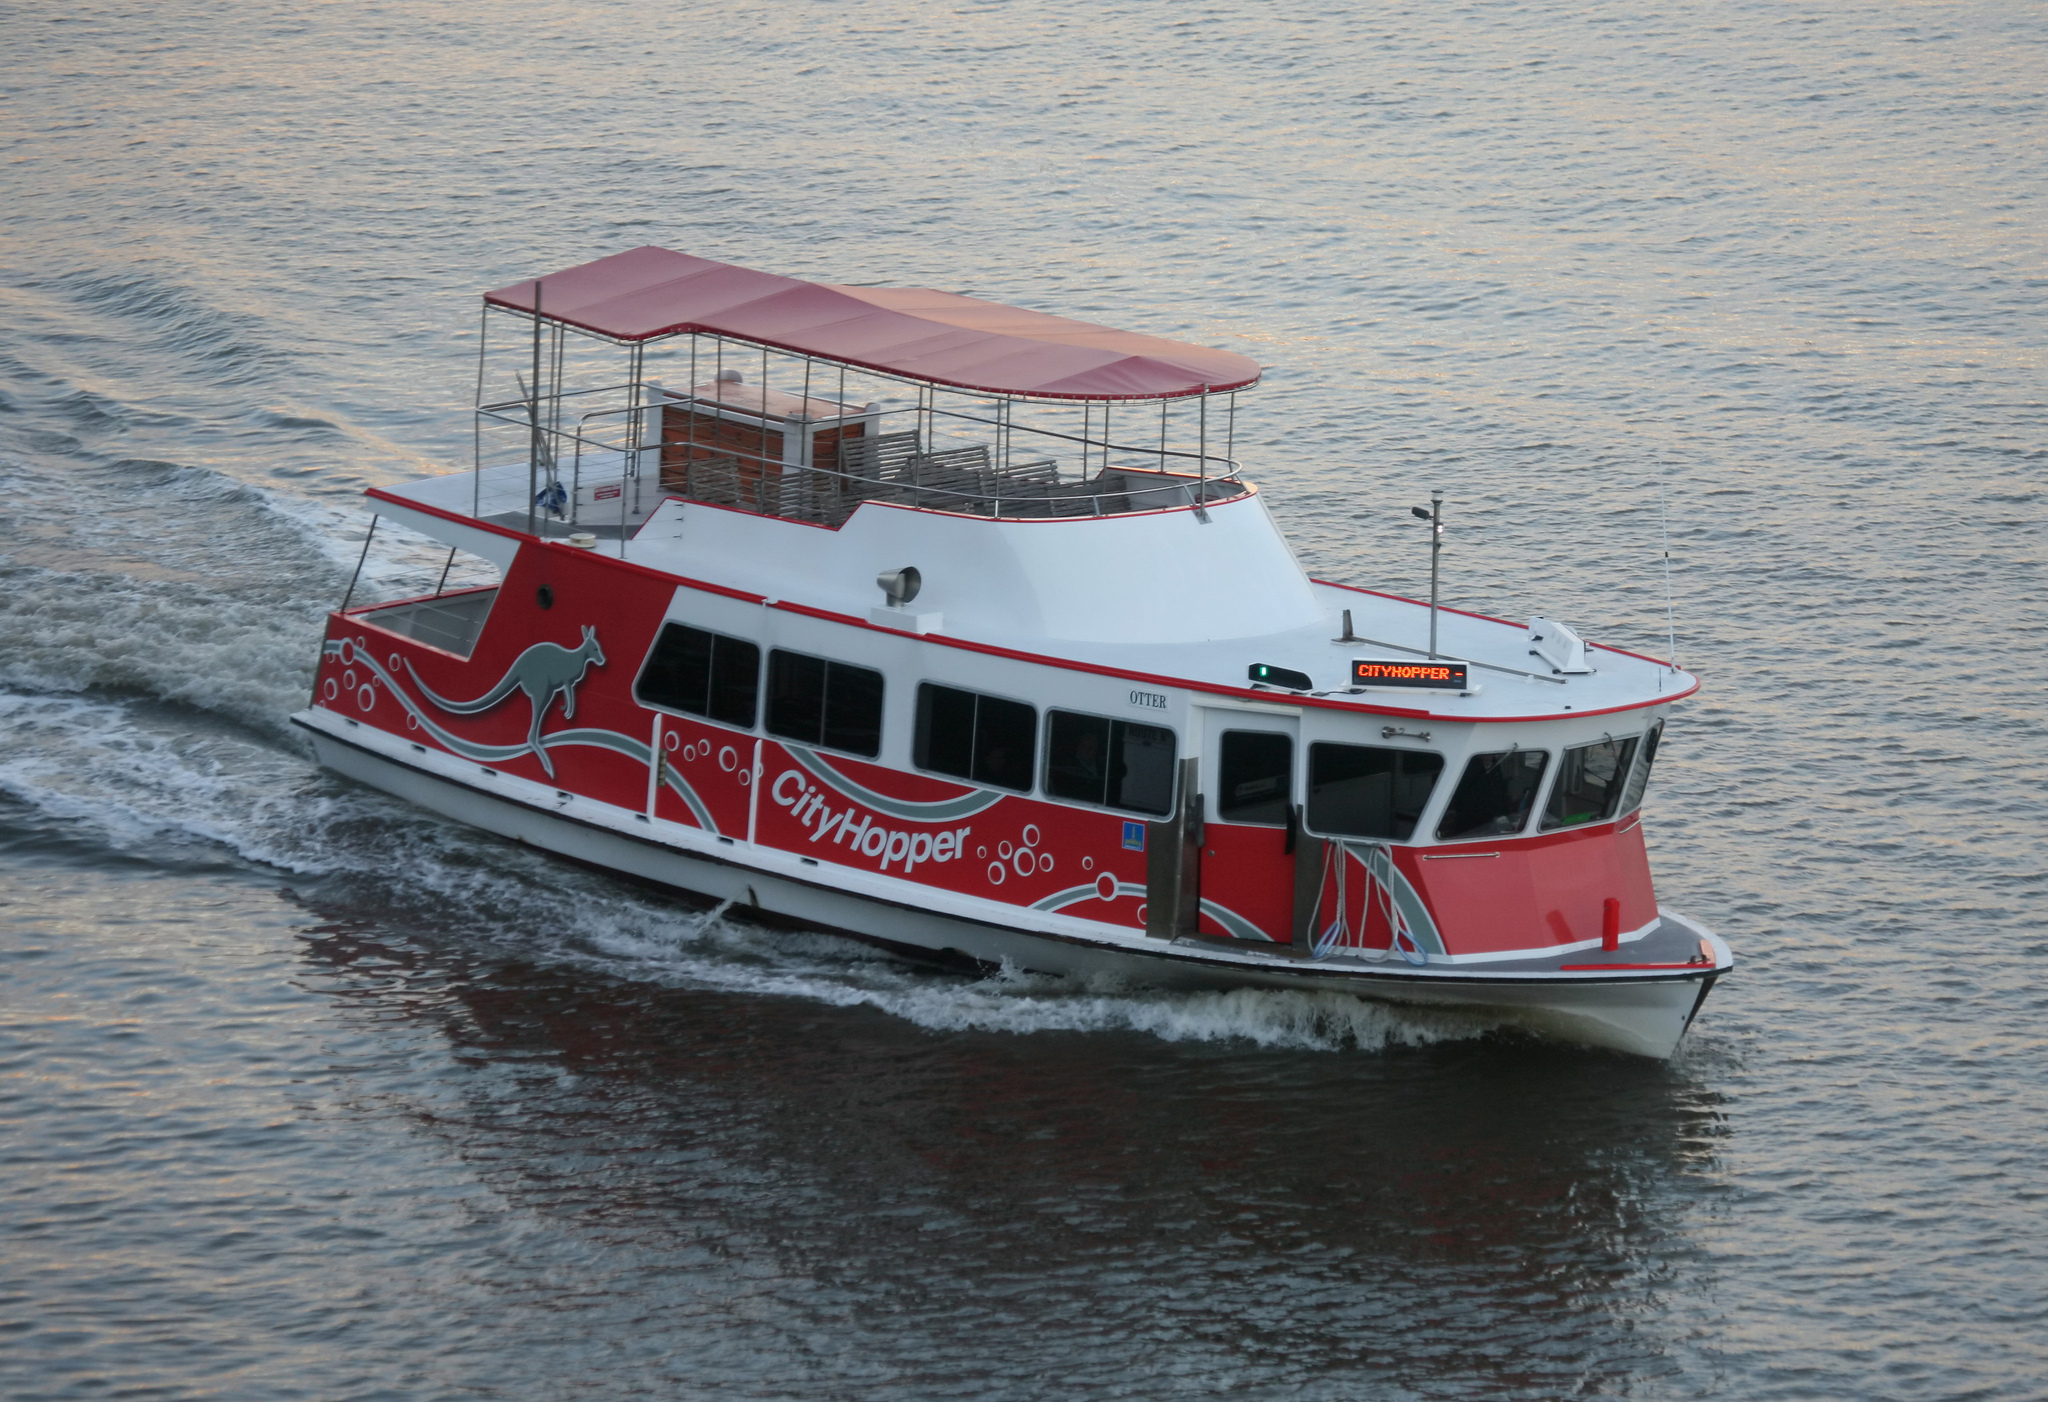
[1488, 618]
[1122, 673]
[1510, 623]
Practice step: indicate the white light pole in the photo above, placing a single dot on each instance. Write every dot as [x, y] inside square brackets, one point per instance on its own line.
[1435, 517]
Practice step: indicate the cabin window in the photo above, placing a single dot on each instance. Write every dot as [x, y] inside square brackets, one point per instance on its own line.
[1639, 779]
[1495, 795]
[1114, 763]
[983, 739]
[452, 617]
[1365, 791]
[1589, 784]
[1254, 776]
[833, 704]
[701, 674]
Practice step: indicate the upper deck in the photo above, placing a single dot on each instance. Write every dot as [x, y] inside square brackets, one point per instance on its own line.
[1065, 492]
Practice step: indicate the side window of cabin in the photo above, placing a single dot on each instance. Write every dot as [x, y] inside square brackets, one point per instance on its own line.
[701, 674]
[452, 618]
[1495, 795]
[1365, 791]
[819, 702]
[982, 739]
[1114, 763]
[1254, 776]
[1589, 784]
[1639, 780]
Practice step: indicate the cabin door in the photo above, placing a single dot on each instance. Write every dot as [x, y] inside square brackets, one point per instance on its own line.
[1251, 786]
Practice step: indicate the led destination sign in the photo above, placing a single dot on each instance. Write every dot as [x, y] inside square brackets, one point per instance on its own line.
[1423, 676]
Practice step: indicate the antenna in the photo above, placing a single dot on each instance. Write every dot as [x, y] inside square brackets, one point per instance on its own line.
[1664, 526]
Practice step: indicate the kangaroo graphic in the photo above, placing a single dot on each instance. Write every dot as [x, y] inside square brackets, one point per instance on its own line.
[543, 671]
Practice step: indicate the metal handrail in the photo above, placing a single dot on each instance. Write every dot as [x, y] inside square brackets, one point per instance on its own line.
[868, 488]
[1107, 445]
[873, 488]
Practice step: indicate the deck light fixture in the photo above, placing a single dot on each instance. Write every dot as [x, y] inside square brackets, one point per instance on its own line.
[1285, 677]
[899, 587]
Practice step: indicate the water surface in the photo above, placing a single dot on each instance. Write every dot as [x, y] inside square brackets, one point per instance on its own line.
[304, 1093]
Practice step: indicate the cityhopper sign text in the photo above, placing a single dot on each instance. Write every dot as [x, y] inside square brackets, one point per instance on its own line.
[1433, 675]
[811, 806]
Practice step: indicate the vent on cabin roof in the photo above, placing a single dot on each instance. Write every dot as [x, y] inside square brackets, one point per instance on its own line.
[1558, 645]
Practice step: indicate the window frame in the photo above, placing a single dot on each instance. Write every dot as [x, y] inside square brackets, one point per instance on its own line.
[1647, 746]
[1537, 799]
[1557, 772]
[918, 738]
[711, 682]
[1044, 763]
[824, 703]
[1422, 812]
[1295, 770]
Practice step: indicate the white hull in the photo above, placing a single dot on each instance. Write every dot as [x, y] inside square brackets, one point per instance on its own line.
[1643, 1013]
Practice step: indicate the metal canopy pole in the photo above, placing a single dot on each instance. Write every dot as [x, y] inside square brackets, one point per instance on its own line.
[629, 460]
[558, 349]
[806, 451]
[689, 427]
[533, 420]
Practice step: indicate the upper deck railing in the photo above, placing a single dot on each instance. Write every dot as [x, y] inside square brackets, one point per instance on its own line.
[602, 459]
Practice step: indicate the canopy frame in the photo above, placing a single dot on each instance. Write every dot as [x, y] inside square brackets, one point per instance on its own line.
[921, 335]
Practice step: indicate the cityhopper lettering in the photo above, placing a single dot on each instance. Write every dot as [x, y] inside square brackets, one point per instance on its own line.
[811, 806]
[1440, 676]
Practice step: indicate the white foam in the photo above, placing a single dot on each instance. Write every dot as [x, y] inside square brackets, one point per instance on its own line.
[144, 779]
[713, 952]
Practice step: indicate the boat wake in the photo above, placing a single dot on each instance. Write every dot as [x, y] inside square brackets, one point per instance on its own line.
[145, 779]
[727, 954]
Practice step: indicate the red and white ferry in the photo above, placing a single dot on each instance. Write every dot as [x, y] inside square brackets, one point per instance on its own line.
[954, 627]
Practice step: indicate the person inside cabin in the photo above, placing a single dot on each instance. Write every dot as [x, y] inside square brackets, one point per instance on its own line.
[1076, 759]
[1087, 759]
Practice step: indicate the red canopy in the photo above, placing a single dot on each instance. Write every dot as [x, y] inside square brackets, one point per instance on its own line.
[939, 337]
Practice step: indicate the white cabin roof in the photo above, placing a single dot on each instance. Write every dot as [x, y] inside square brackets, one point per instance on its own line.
[1163, 594]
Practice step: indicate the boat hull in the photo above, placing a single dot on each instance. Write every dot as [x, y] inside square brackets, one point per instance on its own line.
[1644, 1013]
